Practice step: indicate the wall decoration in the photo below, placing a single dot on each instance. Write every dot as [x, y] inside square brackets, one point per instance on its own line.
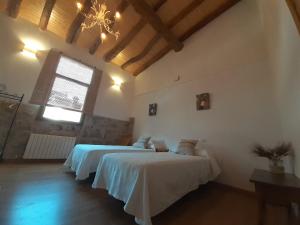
[152, 109]
[203, 101]
[275, 155]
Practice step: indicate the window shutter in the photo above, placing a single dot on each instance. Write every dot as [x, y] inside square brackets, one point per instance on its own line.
[46, 78]
[92, 92]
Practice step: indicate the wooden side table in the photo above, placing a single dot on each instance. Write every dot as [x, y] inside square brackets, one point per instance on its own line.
[277, 189]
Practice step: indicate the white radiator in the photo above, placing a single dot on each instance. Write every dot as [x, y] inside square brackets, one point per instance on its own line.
[42, 146]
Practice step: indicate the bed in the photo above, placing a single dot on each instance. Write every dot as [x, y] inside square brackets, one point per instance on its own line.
[84, 158]
[150, 183]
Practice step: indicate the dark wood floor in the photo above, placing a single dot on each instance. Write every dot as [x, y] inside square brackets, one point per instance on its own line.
[44, 194]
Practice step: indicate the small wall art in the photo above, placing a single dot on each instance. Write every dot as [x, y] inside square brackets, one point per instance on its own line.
[152, 109]
[203, 101]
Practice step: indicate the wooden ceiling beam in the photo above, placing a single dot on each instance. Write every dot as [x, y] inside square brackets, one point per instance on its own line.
[13, 8]
[125, 41]
[181, 15]
[295, 13]
[122, 6]
[97, 42]
[154, 20]
[44, 20]
[144, 52]
[131, 34]
[155, 58]
[75, 28]
[95, 45]
[210, 17]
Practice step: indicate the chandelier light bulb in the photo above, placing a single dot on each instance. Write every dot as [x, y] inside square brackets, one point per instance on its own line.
[103, 36]
[118, 15]
[79, 5]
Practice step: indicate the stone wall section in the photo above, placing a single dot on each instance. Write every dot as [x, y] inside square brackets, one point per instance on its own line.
[93, 129]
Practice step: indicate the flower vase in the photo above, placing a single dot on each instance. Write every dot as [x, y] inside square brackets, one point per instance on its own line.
[276, 166]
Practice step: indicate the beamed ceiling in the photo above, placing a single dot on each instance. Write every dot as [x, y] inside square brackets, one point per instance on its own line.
[149, 28]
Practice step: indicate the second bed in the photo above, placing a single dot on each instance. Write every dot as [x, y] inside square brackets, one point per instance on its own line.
[149, 183]
[84, 158]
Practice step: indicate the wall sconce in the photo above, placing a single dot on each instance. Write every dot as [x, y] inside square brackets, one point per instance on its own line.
[31, 48]
[117, 83]
[28, 51]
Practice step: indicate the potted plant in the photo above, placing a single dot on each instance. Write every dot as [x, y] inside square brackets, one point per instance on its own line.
[275, 155]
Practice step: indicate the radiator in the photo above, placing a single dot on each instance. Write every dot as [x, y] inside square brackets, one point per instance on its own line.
[42, 146]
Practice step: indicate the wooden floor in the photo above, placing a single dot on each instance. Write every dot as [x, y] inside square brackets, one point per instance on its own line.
[44, 194]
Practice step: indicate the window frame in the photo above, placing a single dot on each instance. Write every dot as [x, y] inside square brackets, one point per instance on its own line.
[57, 75]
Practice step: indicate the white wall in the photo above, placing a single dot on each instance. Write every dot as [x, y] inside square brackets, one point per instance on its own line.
[284, 50]
[20, 73]
[229, 59]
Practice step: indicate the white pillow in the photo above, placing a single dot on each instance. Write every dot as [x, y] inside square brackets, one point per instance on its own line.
[158, 145]
[201, 152]
[142, 142]
[186, 147]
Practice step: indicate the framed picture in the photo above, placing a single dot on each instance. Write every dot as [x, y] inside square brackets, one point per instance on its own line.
[203, 101]
[152, 109]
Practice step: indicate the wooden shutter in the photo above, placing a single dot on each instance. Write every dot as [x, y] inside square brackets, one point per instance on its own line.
[46, 78]
[92, 92]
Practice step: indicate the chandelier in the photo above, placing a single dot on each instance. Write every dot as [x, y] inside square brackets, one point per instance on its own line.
[99, 16]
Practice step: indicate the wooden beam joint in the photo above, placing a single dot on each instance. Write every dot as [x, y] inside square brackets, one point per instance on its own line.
[173, 22]
[210, 17]
[153, 19]
[131, 34]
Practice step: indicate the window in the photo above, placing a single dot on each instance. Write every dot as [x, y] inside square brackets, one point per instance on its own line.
[69, 91]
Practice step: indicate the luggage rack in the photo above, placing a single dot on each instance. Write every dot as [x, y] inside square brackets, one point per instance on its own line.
[18, 99]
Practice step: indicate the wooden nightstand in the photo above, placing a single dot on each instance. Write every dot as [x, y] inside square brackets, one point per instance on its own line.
[277, 189]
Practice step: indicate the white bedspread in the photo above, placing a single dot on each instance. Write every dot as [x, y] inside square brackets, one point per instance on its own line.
[150, 183]
[85, 158]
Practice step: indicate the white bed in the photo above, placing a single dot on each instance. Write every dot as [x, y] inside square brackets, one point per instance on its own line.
[150, 183]
[85, 158]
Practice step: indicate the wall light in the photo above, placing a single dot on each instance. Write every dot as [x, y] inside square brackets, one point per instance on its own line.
[31, 48]
[117, 83]
[29, 52]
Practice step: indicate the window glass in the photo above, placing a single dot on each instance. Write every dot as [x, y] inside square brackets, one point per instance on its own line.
[75, 70]
[67, 94]
[55, 113]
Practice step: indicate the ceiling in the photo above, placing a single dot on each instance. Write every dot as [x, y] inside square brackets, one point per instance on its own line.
[149, 28]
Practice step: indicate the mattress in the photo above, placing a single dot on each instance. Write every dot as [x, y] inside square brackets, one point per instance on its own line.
[84, 158]
[150, 183]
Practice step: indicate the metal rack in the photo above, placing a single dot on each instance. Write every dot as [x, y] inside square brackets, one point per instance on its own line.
[19, 100]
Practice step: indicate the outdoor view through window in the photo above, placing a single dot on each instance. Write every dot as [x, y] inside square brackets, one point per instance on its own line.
[69, 90]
